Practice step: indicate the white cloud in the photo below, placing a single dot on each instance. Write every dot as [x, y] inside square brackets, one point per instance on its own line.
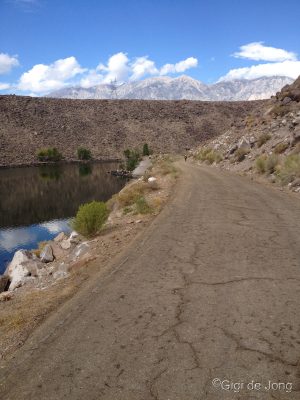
[4, 86]
[258, 52]
[142, 66]
[56, 226]
[116, 69]
[44, 78]
[7, 62]
[286, 68]
[181, 66]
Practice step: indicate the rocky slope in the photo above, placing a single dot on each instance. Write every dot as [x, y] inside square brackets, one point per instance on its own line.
[183, 87]
[108, 127]
[266, 145]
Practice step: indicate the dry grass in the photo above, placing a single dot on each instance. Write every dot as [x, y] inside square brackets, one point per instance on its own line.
[260, 164]
[263, 138]
[280, 110]
[240, 154]
[209, 155]
[165, 166]
[281, 147]
[130, 194]
[289, 169]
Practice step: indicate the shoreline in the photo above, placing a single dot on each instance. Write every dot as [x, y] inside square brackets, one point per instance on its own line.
[62, 162]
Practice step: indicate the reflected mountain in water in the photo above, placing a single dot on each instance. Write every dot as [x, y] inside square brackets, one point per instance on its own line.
[31, 195]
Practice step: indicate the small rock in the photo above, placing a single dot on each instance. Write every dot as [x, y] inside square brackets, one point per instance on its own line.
[65, 244]
[47, 254]
[61, 236]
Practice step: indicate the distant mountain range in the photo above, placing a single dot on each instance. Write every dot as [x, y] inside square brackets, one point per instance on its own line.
[183, 87]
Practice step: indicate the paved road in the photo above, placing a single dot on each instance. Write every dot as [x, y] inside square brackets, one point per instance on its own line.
[211, 290]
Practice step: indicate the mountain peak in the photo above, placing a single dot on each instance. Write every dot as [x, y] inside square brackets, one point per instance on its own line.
[179, 88]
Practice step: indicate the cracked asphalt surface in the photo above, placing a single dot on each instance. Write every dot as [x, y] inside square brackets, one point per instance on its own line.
[210, 290]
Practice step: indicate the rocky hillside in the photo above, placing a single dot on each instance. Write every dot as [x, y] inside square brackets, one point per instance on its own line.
[183, 87]
[266, 145]
[107, 127]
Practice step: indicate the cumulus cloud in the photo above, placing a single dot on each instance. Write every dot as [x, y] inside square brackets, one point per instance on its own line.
[142, 66]
[7, 62]
[44, 78]
[259, 52]
[181, 66]
[286, 68]
[117, 68]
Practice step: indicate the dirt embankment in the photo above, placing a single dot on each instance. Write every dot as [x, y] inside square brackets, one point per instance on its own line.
[107, 127]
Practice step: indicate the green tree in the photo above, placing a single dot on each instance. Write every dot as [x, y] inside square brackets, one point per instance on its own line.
[84, 154]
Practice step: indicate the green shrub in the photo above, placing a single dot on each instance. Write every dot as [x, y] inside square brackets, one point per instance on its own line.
[146, 151]
[260, 164]
[90, 218]
[281, 147]
[240, 154]
[84, 154]
[49, 154]
[271, 163]
[142, 206]
[263, 139]
[290, 169]
[132, 159]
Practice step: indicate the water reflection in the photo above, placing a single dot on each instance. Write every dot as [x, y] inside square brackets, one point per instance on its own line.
[36, 202]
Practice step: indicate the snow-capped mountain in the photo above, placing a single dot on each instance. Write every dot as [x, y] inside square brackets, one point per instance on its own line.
[183, 87]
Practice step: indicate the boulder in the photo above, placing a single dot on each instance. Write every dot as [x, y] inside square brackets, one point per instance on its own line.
[61, 236]
[65, 244]
[80, 250]
[47, 254]
[286, 100]
[152, 182]
[244, 144]
[74, 237]
[17, 270]
[58, 251]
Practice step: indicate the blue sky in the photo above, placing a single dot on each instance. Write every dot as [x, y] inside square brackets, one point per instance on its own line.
[47, 44]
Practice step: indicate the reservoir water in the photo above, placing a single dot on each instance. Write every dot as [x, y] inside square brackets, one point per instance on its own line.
[36, 203]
